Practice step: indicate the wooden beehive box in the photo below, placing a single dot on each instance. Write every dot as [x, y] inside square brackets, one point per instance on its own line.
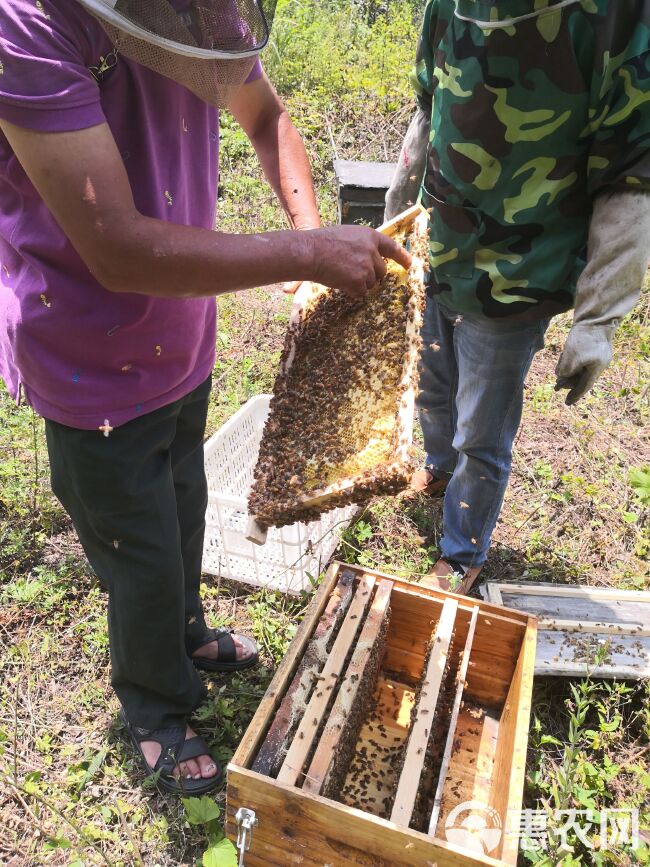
[394, 706]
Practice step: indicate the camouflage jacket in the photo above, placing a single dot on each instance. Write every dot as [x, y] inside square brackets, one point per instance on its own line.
[536, 107]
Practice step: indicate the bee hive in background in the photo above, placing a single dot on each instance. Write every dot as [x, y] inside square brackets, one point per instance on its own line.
[341, 418]
[396, 724]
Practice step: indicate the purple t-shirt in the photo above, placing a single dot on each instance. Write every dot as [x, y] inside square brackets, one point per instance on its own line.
[79, 353]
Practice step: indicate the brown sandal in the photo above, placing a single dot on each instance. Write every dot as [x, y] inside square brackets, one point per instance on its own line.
[426, 482]
[451, 576]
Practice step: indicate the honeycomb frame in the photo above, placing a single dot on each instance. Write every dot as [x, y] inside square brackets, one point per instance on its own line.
[389, 476]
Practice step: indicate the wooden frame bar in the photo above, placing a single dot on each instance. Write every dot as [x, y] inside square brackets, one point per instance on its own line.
[497, 589]
[292, 767]
[444, 768]
[555, 625]
[276, 741]
[424, 717]
[329, 744]
[259, 725]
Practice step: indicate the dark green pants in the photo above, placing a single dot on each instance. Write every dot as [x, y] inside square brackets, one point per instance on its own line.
[137, 499]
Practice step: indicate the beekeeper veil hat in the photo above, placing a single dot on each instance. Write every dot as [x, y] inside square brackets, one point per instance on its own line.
[208, 46]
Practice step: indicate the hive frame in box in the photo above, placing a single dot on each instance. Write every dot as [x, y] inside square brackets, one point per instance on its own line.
[414, 219]
[295, 555]
[295, 826]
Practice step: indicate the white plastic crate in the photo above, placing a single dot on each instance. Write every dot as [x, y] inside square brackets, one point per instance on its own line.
[293, 556]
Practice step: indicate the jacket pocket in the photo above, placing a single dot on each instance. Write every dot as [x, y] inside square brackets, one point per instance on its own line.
[453, 237]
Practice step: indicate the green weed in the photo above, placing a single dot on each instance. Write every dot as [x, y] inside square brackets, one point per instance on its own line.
[576, 511]
[203, 814]
[587, 771]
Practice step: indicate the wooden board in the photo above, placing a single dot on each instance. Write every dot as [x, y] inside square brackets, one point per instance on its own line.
[329, 833]
[425, 712]
[579, 623]
[577, 603]
[292, 767]
[510, 755]
[364, 660]
[361, 174]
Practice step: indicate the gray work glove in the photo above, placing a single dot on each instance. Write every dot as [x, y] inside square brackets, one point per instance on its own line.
[608, 288]
[405, 187]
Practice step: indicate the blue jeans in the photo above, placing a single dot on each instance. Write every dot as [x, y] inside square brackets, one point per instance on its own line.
[472, 373]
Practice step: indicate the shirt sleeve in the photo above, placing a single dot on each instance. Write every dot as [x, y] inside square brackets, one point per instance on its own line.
[422, 73]
[45, 54]
[619, 157]
[256, 71]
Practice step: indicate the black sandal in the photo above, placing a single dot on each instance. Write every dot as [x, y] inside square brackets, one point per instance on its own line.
[227, 660]
[175, 748]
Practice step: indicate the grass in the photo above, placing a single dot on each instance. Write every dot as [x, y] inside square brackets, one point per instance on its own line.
[576, 510]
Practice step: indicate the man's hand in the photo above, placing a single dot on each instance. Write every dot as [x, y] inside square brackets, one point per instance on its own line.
[587, 352]
[351, 258]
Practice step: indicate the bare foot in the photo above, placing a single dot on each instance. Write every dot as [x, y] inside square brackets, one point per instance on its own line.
[193, 769]
[244, 648]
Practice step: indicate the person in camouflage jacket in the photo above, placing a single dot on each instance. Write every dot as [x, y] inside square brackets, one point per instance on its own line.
[530, 148]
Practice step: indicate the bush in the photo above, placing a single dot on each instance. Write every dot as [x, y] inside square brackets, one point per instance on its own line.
[342, 68]
[344, 50]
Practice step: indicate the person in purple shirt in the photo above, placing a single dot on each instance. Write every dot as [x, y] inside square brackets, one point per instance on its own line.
[109, 264]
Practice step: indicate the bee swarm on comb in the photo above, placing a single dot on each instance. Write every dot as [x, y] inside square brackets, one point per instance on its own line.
[340, 422]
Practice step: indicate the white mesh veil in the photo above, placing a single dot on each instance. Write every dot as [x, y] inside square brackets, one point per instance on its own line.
[208, 46]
